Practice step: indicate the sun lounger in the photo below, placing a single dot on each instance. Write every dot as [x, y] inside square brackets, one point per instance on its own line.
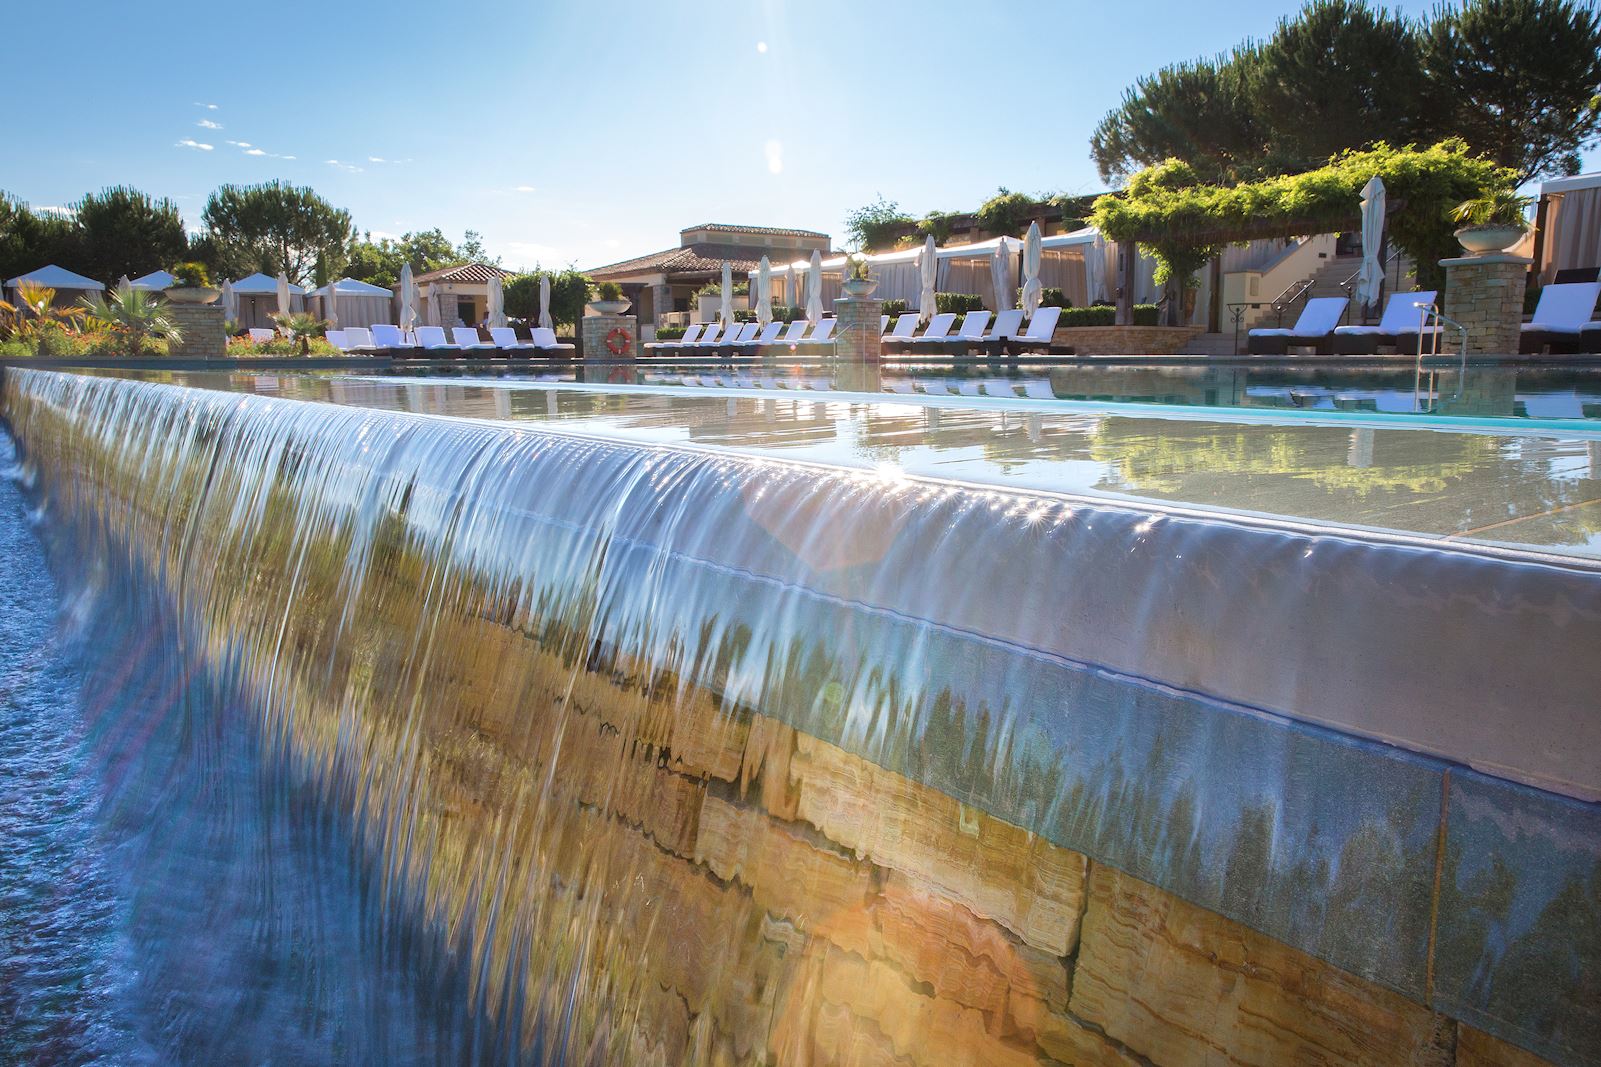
[506, 339]
[1314, 329]
[335, 338]
[691, 334]
[734, 340]
[714, 335]
[1560, 318]
[821, 341]
[431, 339]
[905, 327]
[1037, 338]
[974, 323]
[467, 339]
[883, 325]
[390, 339]
[358, 339]
[1399, 327]
[260, 336]
[544, 340]
[791, 333]
[939, 329]
[1591, 337]
[767, 335]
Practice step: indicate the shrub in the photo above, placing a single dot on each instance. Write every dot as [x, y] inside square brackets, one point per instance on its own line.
[895, 307]
[1106, 315]
[937, 224]
[669, 333]
[960, 303]
[191, 276]
[280, 346]
[788, 313]
[873, 227]
[1007, 213]
[609, 291]
[1050, 297]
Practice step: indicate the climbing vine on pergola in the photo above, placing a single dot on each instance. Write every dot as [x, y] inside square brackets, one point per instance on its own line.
[1184, 223]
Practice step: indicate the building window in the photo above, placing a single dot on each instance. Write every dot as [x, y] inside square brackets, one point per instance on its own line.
[466, 312]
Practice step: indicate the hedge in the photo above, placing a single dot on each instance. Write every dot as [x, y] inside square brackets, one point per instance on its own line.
[1106, 315]
[959, 303]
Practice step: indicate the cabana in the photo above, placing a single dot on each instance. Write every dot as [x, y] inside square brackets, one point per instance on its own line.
[156, 281]
[357, 303]
[258, 300]
[1568, 228]
[69, 287]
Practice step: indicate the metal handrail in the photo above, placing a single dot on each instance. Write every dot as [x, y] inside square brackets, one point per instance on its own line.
[1393, 259]
[1429, 314]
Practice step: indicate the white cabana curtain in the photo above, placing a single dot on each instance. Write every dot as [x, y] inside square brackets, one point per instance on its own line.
[330, 306]
[1572, 232]
[544, 303]
[1371, 278]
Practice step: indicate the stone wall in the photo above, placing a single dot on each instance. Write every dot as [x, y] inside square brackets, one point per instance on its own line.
[698, 881]
[203, 329]
[593, 332]
[1126, 340]
[1485, 294]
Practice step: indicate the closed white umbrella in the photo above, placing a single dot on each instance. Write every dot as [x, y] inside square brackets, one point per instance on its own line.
[497, 302]
[1095, 271]
[408, 299]
[792, 288]
[283, 293]
[764, 292]
[230, 303]
[330, 305]
[1371, 278]
[544, 303]
[814, 289]
[1032, 253]
[1001, 275]
[928, 267]
[728, 293]
[124, 286]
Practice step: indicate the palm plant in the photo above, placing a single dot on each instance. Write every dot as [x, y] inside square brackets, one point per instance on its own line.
[301, 327]
[134, 316]
[1500, 207]
[36, 311]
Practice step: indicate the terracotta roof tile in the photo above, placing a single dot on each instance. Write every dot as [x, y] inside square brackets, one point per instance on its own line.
[473, 273]
[768, 231]
[697, 258]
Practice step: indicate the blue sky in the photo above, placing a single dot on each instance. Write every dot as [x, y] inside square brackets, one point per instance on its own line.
[584, 133]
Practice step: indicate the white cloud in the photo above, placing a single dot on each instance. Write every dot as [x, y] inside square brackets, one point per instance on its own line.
[208, 107]
[348, 168]
[207, 124]
[524, 189]
[761, 46]
[190, 142]
[240, 144]
[774, 150]
[255, 152]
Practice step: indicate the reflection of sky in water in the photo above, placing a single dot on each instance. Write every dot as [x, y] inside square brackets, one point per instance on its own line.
[1488, 480]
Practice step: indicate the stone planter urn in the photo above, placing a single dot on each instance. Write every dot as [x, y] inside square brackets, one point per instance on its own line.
[857, 288]
[1489, 238]
[611, 307]
[192, 294]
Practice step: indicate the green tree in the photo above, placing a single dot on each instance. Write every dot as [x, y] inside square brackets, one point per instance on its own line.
[125, 231]
[275, 227]
[376, 262]
[569, 291]
[1199, 112]
[471, 249]
[873, 226]
[1519, 80]
[1339, 75]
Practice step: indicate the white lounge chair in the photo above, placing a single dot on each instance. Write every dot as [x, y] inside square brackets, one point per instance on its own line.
[905, 327]
[358, 339]
[939, 329]
[767, 336]
[506, 339]
[392, 339]
[708, 339]
[1006, 324]
[691, 333]
[792, 332]
[821, 340]
[467, 339]
[260, 336]
[432, 339]
[1314, 329]
[544, 339]
[974, 323]
[1560, 318]
[742, 336]
[1398, 326]
[1041, 328]
[336, 338]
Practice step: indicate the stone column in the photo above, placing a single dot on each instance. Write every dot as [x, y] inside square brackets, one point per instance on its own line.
[857, 334]
[594, 331]
[203, 328]
[1485, 294]
[661, 301]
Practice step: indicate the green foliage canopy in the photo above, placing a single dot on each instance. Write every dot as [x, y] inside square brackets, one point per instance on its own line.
[569, 292]
[1183, 222]
[872, 227]
[125, 231]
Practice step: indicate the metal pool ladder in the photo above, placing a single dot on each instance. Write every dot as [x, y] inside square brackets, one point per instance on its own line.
[1429, 315]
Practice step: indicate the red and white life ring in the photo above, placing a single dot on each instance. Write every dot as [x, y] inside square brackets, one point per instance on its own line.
[619, 341]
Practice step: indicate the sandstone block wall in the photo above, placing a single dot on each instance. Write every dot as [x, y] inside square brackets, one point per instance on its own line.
[203, 328]
[1485, 294]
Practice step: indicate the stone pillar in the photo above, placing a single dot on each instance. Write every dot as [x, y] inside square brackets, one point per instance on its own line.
[593, 331]
[857, 334]
[203, 327]
[661, 301]
[1485, 294]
